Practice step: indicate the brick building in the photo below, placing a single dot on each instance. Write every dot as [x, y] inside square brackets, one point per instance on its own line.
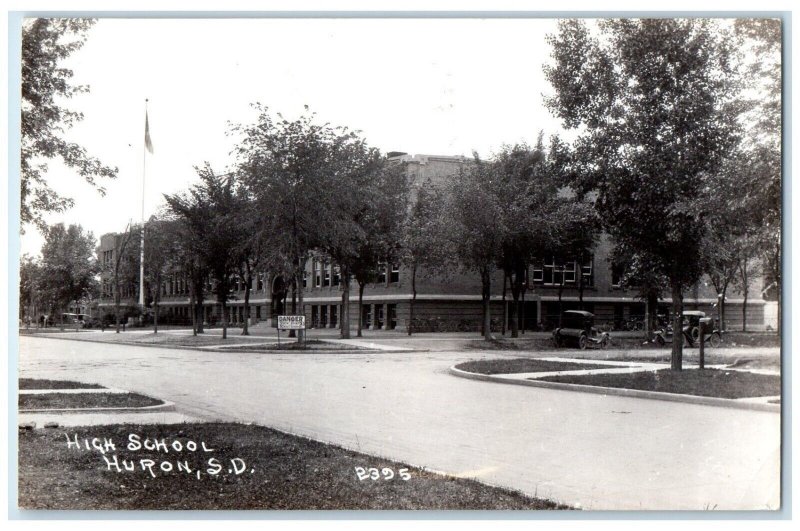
[451, 302]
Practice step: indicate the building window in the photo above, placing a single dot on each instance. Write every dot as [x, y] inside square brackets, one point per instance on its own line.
[258, 312]
[549, 271]
[394, 274]
[323, 316]
[617, 272]
[334, 309]
[538, 271]
[569, 272]
[366, 315]
[314, 316]
[305, 279]
[587, 272]
[326, 274]
[378, 316]
[317, 274]
[381, 273]
[337, 275]
[260, 282]
[392, 316]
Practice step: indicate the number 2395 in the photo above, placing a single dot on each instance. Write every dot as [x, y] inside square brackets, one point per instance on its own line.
[386, 474]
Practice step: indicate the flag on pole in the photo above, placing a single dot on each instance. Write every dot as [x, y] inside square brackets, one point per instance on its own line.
[147, 143]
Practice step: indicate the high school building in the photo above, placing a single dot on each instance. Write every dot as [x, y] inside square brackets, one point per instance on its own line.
[451, 302]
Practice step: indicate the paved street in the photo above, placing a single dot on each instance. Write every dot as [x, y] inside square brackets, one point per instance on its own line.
[593, 451]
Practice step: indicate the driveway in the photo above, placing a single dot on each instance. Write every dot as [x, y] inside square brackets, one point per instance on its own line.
[587, 450]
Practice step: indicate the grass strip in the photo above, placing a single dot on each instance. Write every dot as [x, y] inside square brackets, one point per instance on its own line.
[279, 471]
[35, 383]
[85, 400]
[708, 382]
[527, 365]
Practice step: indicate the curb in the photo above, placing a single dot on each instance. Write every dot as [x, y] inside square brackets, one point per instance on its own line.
[241, 347]
[616, 391]
[158, 408]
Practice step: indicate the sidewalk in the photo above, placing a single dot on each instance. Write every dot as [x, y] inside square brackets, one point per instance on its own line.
[536, 379]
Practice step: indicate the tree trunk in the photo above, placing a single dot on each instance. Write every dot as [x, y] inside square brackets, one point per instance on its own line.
[745, 288]
[722, 308]
[193, 309]
[677, 327]
[413, 298]
[292, 333]
[486, 280]
[505, 308]
[224, 318]
[515, 313]
[248, 280]
[155, 316]
[116, 304]
[360, 307]
[298, 278]
[345, 320]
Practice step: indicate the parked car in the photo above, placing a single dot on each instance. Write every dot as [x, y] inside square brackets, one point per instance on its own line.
[691, 330]
[577, 329]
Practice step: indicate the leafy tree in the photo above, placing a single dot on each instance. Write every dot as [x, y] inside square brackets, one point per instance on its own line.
[30, 277]
[424, 247]
[123, 266]
[378, 216]
[299, 172]
[474, 225]
[209, 211]
[161, 257]
[759, 168]
[68, 266]
[46, 42]
[652, 99]
[527, 193]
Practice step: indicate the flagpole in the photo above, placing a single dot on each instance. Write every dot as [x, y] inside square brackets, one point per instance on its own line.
[141, 246]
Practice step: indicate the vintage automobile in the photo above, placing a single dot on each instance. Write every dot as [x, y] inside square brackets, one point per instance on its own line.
[577, 329]
[691, 330]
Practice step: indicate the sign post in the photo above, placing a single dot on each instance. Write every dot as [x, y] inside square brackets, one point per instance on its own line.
[290, 322]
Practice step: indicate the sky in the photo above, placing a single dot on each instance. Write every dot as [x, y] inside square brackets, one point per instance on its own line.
[421, 86]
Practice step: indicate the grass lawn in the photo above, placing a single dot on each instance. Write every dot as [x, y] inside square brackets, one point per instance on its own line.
[526, 365]
[34, 383]
[708, 382]
[309, 344]
[278, 471]
[85, 400]
[734, 358]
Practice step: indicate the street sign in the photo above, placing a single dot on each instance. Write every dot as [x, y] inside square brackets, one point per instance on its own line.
[291, 322]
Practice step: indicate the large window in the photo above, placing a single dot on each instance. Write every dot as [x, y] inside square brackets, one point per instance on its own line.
[317, 273]
[381, 273]
[337, 275]
[394, 274]
[326, 274]
[617, 272]
[552, 271]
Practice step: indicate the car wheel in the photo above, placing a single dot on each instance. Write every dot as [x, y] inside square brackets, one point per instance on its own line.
[715, 340]
[605, 342]
[582, 342]
[660, 341]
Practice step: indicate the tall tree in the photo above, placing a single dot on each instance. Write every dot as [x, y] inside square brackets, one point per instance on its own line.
[209, 211]
[475, 226]
[378, 216]
[46, 42]
[123, 267]
[160, 258]
[68, 266]
[299, 173]
[424, 246]
[30, 277]
[652, 99]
